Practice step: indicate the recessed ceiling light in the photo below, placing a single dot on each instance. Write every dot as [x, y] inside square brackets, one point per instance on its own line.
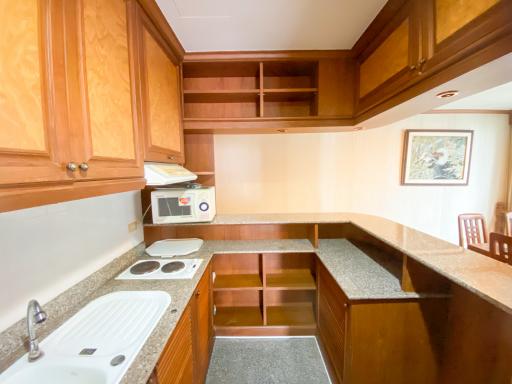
[445, 94]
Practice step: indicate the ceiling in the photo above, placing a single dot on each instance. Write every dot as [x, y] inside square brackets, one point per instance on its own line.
[248, 25]
[497, 98]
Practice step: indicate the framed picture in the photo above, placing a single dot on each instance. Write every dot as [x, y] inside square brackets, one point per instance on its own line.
[436, 157]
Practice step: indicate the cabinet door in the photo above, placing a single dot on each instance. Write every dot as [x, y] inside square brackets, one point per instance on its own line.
[203, 327]
[332, 308]
[160, 75]
[389, 62]
[176, 365]
[105, 138]
[454, 29]
[33, 144]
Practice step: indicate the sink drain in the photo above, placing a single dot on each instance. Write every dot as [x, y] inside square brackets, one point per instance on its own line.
[117, 360]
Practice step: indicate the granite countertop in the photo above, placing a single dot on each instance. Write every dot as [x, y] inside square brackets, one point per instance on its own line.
[360, 276]
[481, 275]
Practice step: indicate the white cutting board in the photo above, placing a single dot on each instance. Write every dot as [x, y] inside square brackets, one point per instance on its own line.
[174, 247]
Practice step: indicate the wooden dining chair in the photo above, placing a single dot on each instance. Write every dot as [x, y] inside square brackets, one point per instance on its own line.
[472, 229]
[500, 247]
[508, 216]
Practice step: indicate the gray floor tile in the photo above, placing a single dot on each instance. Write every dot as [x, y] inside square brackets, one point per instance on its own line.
[266, 361]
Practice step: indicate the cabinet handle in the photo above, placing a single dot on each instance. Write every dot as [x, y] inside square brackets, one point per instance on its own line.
[421, 63]
[170, 157]
[84, 167]
[71, 166]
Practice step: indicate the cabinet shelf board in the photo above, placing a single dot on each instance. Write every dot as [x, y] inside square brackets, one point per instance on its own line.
[237, 282]
[221, 96]
[289, 94]
[301, 279]
[296, 314]
[238, 317]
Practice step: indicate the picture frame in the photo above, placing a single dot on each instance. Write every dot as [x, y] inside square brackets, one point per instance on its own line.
[436, 157]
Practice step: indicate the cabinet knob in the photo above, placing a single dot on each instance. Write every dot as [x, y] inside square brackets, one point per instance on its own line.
[72, 166]
[171, 157]
[84, 167]
[198, 292]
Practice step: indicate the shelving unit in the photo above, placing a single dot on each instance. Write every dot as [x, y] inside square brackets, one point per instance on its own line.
[265, 294]
[245, 90]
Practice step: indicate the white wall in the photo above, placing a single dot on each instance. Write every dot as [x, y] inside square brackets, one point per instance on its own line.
[360, 172]
[45, 250]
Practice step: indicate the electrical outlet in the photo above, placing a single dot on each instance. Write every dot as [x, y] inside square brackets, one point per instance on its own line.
[132, 227]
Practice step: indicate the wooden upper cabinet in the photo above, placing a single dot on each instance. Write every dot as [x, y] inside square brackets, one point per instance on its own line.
[160, 78]
[107, 135]
[454, 29]
[390, 60]
[31, 130]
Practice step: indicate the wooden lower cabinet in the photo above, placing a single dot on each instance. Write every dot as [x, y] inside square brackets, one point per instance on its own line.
[397, 342]
[186, 357]
[176, 362]
[332, 320]
[203, 326]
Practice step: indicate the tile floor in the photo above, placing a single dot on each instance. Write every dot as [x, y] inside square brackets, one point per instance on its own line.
[266, 361]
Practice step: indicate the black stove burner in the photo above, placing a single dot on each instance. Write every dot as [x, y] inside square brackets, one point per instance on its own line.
[144, 267]
[173, 266]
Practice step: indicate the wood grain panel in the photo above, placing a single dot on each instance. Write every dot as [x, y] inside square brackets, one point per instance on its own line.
[175, 365]
[163, 96]
[21, 108]
[332, 312]
[403, 346]
[202, 326]
[479, 343]
[453, 15]
[108, 79]
[387, 60]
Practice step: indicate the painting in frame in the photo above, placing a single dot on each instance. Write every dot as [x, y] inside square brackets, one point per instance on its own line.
[436, 157]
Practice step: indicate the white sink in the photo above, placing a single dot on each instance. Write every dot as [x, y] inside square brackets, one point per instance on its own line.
[50, 373]
[83, 348]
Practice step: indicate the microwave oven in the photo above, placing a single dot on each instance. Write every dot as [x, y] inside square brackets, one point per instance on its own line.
[181, 205]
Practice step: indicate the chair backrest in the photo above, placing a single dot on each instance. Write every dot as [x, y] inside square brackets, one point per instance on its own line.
[500, 247]
[472, 229]
[508, 215]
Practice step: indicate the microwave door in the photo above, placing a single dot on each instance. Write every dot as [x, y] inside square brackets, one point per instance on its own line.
[171, 207]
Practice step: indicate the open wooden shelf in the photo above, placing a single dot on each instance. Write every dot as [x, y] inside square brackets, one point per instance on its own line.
[233, 282]
[293, 279]
[238, 317]
[217, 91]
[296, 314]
[265, 294]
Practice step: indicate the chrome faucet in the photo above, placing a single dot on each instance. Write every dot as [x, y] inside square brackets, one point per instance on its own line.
[35, 315]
